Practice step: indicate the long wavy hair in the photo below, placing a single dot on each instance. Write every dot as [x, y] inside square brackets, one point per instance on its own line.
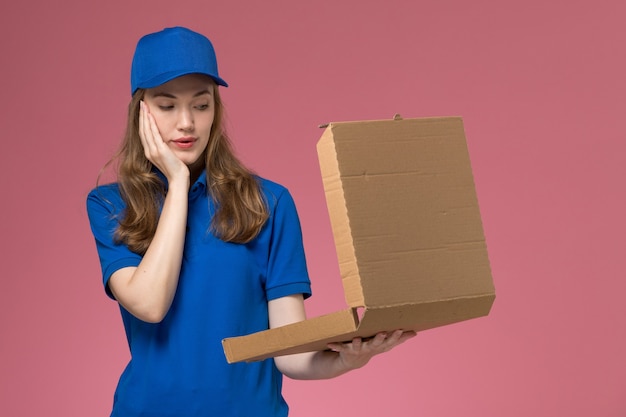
[241, 210]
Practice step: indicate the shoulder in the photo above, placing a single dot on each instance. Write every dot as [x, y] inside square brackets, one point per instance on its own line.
[271, 188]
[279, 200]
[105, 196]
[277, 197]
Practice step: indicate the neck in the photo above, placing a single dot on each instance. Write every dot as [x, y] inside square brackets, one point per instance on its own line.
[194, 171]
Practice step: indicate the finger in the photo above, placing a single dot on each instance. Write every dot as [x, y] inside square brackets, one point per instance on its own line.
[335, 347]
[406, 336]
[144, 130]
[153, 143]
[379, 339]
[154, 130]
[141, 118]
[395, 336]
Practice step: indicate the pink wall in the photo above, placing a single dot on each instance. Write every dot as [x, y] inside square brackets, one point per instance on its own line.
[541, 86]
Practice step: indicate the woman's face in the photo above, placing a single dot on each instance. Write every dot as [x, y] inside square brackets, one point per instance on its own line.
[184, 109]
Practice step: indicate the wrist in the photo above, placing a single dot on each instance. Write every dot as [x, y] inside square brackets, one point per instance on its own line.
[181, 181]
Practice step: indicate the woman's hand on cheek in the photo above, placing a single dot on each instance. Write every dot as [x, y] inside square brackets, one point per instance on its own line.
[357, 353]
[156, 150]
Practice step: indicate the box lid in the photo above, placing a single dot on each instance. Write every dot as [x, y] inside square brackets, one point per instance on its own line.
[404, 211]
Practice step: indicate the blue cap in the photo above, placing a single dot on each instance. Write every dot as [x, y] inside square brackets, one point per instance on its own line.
[162, 56]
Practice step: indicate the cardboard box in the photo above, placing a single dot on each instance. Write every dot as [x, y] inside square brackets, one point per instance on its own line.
[407, 230]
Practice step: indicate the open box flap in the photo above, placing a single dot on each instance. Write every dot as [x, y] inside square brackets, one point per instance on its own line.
[315, 334]
[305, 336]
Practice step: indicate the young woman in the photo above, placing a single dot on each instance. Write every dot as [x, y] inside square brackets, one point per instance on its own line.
[195, 248]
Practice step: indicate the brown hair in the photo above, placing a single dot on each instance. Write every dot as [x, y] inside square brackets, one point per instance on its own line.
[241, 210]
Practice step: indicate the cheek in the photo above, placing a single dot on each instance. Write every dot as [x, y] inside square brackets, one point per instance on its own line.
[206, 123]
[160, 121]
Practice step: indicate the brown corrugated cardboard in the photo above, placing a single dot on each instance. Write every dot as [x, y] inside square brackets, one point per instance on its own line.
[407, 230]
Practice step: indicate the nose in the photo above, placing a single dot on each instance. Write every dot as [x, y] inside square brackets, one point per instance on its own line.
[185, 120]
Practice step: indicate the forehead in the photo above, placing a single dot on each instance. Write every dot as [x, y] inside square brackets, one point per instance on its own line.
[191, 84]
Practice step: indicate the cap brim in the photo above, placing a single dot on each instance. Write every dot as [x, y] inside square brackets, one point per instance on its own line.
[163, 78]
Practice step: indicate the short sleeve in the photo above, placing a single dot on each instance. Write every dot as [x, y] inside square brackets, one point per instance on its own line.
[287, 270]
[104, 206]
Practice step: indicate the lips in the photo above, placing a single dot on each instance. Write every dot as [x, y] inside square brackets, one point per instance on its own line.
[186, 142]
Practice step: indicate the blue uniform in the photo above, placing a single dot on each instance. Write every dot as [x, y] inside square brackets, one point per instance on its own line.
[177, 367]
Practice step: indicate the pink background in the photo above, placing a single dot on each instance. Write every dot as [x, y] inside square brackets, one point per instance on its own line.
[541, 86]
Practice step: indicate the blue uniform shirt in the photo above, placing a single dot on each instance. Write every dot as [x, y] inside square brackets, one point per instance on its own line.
[177, 367]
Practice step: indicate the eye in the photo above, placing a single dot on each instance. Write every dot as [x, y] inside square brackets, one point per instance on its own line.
[166, 108]
[202, 106]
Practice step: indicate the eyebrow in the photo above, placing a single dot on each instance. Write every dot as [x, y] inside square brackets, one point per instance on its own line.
[169, 95]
